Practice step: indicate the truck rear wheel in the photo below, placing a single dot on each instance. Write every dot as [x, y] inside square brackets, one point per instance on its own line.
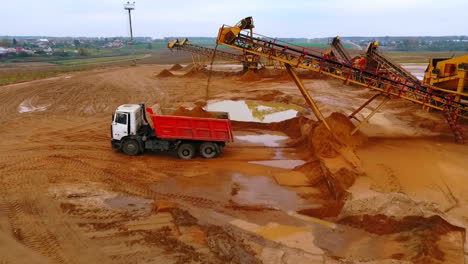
[209, 150]
[131, 147]
[186, 151]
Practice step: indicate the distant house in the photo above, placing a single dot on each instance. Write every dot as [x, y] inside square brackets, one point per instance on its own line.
[115, 44]
[23, 50]
[48, 51]
[42, 43]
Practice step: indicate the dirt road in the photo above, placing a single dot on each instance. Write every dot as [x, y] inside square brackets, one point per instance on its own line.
[67, 197]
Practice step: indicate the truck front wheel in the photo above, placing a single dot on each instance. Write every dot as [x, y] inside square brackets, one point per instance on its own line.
[131, 147]
[186, 151]
[208, 150]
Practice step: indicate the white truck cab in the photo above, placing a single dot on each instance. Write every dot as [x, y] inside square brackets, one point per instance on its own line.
[128, 118]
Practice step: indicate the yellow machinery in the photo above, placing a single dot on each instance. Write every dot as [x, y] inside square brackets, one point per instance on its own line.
[251, 62]
[338, 51]
[381, 64]
[397, 84]
[450, 74]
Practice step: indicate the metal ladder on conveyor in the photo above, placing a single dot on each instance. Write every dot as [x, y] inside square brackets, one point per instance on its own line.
[452, 120]
[429, 97]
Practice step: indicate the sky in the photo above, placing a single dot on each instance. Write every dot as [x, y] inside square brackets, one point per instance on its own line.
[202, 18]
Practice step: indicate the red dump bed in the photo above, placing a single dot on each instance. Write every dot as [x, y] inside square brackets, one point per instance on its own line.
[194, 128]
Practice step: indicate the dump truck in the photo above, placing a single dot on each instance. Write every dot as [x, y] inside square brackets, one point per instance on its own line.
[132, 134]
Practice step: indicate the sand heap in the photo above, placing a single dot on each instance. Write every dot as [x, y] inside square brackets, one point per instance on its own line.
[194, 112]
[397, 205]
[165, 73]
[176, 67]
[428, 231]
[264, 72]
[250, 76]
[330, 145]
[271, 73]
[310, 75]
[283, 77]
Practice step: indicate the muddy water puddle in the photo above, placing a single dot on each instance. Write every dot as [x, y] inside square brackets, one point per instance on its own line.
[267, 140]
[229, 189]
[92, 197]
[255, 111]
[280, 163]
[27, 107]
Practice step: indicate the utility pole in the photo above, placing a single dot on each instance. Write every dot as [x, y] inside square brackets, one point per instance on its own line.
[131, 6]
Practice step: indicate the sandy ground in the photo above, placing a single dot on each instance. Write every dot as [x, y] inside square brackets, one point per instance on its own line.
[67, 197]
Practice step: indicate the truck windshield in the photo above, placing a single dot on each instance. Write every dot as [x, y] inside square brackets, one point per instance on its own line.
[121, 118]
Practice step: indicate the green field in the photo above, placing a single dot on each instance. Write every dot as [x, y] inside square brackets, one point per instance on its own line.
[10, 78]
[10, 73]
[421, 57]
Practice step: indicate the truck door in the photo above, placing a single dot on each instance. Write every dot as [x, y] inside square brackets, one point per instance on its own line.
[120, 125]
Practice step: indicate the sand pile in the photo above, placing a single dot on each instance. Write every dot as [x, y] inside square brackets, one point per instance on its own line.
[307, 74]
[250, 76]
[176, 67]
[327, 144]
[396, 205]
[335, 150]
[428, 240]
[283, 77]
[266, 73]
[165, 73]
[194, 112]
[271, 73]
[204, 73]
[291, 127]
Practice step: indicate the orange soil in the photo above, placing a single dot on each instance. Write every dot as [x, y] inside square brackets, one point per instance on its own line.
[327, 144]
[66, 147]
[194, 72]
[428, 229]
[197, 111]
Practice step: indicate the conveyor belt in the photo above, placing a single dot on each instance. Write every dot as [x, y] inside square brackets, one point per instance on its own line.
[339, 51]
[204, 51]
[387, 64]
[301, 57]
